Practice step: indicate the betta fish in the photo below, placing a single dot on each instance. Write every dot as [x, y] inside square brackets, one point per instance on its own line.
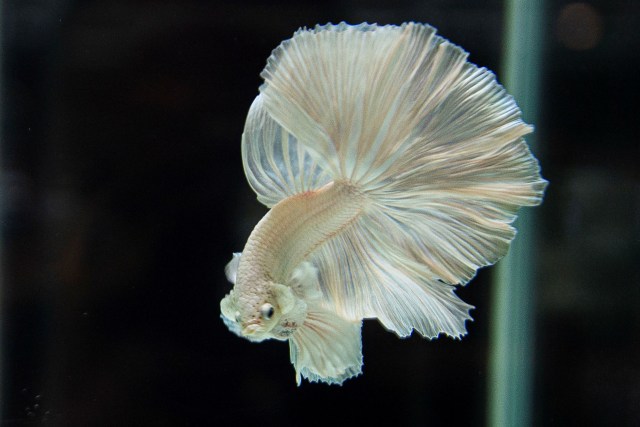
[393, 169]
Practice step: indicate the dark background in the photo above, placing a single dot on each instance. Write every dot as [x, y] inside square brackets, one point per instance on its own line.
[123, 198]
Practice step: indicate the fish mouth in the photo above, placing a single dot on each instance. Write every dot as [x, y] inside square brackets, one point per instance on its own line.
[251, 328]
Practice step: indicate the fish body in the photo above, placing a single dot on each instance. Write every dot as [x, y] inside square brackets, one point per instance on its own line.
[393, 169]
[285, 237]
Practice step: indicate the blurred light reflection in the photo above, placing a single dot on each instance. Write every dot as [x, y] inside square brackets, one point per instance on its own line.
[579, 26]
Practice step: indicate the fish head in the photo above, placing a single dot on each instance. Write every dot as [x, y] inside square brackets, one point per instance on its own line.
[260, 318]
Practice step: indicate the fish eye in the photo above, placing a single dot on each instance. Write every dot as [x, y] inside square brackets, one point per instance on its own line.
[267, 311]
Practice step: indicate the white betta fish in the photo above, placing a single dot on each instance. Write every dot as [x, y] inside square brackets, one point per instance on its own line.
[393, 169]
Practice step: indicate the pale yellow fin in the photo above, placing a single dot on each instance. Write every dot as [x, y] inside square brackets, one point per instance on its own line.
[432, 141]
[276, 165]
[356, 94]
[326, 348]
[365, 274]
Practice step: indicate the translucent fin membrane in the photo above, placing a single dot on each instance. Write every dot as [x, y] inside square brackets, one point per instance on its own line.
[326, 347]
[376, 277]
[276, 165]
[432, 141]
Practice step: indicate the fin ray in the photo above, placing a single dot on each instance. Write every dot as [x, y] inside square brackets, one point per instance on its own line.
[363, 276]
[275, 164]
[433, 142]
[326, 348]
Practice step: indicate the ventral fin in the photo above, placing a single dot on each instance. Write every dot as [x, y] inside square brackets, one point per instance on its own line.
[326, 348]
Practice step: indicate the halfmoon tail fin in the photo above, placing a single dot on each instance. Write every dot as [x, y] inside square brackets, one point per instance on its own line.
[433, 142]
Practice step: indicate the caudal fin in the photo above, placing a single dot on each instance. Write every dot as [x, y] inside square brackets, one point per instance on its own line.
[433, 142]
